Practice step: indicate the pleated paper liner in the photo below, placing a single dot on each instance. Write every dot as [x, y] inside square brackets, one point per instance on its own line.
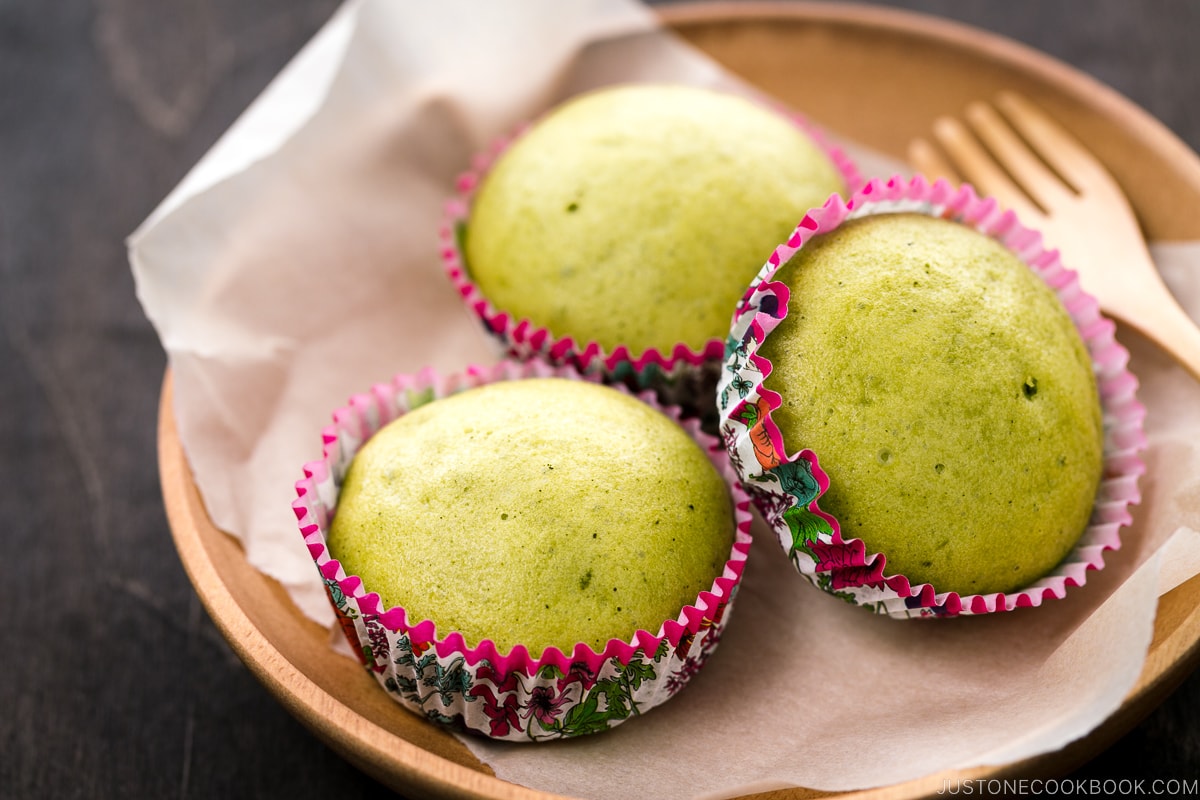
[476, 687]
[843, 566]
[684, 375]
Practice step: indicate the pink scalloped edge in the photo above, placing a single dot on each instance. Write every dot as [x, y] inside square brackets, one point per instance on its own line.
[847, 562]
[365, 413]
[522, 338]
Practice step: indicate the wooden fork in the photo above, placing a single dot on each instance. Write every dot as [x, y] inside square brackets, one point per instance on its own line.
[1018, 155]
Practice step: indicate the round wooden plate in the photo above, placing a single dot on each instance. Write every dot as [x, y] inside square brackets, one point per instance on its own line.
[883, 77]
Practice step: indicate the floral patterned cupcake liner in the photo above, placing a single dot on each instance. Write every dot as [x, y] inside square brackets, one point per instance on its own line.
[684, 376]
[786, 486]
[508, 696]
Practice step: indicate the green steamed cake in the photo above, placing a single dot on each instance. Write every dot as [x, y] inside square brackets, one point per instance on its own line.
[947, 395]
[637, 215]
[543, 512]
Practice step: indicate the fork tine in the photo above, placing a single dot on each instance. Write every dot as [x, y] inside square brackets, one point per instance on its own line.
[930, 162]
[1060, 150]
[979, 169]
[1042, 185]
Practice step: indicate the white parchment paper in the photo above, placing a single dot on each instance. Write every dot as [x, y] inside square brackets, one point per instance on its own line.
[297, 264]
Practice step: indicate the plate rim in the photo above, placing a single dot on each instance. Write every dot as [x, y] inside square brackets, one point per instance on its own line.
[1173, 653]
[1118, 111]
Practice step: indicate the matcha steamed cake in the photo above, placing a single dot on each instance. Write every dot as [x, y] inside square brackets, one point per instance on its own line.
[636, 215]
[543, 512]
[946, 394]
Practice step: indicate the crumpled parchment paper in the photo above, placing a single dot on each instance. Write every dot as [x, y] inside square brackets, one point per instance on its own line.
[297, 264]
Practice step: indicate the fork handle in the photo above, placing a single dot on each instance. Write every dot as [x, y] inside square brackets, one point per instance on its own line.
[1169, 326]
[1153, 310]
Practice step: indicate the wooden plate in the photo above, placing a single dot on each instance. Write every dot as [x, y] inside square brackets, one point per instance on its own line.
[883, 77]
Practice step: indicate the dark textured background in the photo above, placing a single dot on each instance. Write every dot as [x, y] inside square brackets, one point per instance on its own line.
[104, 106]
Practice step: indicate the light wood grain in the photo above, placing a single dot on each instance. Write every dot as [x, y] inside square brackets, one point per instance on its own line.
[877, 76]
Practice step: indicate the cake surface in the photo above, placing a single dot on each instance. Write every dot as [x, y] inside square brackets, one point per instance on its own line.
[947, 396]
[542, 512]
[636, 215]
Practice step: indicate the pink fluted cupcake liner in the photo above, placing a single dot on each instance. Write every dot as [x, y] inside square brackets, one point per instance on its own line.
[780, 478]
[509, 696]
[683, 376]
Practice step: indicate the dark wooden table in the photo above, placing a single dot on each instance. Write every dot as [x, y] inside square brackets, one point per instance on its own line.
[113, 682]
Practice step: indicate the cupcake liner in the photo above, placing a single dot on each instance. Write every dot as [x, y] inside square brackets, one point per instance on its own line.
[786, 485]
[683, 376]
[508, 696]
